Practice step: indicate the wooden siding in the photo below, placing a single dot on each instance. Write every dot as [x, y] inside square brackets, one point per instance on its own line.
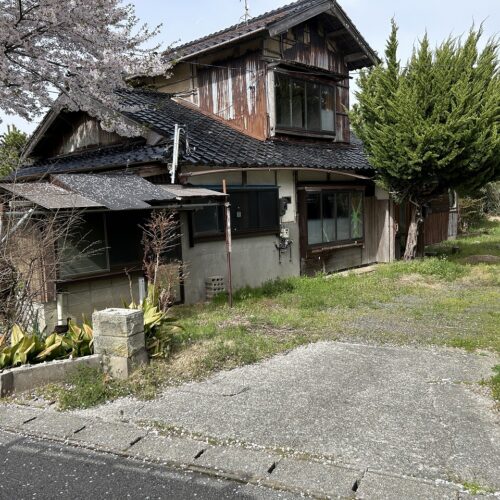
[80, 132]
[436, 228]
[236, 92]
[377, 239]
[440, 225]
[307, 44]
[342, 123]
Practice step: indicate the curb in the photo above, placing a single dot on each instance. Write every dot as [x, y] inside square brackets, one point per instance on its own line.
[454, 491]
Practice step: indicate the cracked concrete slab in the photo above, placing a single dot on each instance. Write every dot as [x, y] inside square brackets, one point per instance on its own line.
[168, 449]
[110, 436]
[241, 460]
[56, 425]
[385, 487]
[14, 417]
[403, 410]
[317, 477]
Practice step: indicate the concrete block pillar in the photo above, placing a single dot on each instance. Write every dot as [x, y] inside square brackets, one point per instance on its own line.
[119, 338]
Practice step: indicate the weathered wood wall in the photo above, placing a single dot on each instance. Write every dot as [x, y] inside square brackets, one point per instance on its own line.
[80, 132]
[436, 228]
[308, 44]
[235, 90]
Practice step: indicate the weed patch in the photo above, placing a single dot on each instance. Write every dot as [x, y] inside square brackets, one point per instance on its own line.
[494, 384]
[87, 387]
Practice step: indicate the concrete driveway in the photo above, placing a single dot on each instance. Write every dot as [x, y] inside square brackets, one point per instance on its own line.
[411, 411]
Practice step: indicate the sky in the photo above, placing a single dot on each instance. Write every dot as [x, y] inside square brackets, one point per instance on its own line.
[183, 21]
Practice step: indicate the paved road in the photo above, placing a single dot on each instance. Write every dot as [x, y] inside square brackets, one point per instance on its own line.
[43, 470]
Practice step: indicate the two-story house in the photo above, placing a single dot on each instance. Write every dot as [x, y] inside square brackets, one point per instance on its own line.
[262, 106]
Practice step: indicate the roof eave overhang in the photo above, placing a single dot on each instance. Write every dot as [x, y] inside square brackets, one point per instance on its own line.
[278, 27]
[365, 175]
[76, 170]
[329, 7]
[191, 55]
[51, 117]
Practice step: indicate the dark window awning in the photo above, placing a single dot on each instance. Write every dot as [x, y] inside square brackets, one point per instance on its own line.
[115, 192]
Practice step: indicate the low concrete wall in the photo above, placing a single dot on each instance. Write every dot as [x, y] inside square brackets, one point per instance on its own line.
[28, 377]
[255, 260]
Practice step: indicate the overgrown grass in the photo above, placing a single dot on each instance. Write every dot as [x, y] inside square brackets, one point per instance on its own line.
[435, 301]
[494, 384]
[85, 388]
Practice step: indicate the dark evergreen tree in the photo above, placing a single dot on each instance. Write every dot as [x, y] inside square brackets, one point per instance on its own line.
[12, 143]
[432, 125]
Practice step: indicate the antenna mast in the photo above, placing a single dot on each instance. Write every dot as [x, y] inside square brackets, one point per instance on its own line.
[246, 16]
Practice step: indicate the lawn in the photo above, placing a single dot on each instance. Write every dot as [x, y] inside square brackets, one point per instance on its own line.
[448, 300]
[444, 300]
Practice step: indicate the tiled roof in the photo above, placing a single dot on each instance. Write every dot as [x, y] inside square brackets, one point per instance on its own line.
[255, 24]
[212, 144]
[215, 144]
[96, 159]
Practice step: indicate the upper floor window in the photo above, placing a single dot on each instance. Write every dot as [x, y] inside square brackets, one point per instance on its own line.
[304, 106]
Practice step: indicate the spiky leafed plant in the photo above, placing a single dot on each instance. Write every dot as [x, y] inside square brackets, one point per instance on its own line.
[432, 125]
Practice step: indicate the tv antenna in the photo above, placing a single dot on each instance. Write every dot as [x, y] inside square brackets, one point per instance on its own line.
[246, 16]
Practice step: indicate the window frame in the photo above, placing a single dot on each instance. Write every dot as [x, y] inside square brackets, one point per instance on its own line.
[336, 243]
[249, 232]
[114, 268]
[281, 129]
[67, 277]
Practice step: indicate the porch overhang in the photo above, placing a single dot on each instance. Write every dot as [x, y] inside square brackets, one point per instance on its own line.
[119, 192]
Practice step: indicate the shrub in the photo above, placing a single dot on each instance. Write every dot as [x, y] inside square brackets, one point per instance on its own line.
[25, 348]
[159, 329]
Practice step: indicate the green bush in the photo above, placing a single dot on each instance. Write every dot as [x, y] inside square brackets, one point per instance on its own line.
[24, 348]
[159, 329]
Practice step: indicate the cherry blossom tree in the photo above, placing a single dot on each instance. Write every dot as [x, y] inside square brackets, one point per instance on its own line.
[76, 52]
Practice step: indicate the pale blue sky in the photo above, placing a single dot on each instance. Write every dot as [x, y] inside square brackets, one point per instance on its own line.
[189, 19]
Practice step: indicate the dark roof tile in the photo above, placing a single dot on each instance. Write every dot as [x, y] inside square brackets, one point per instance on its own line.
[212, 144]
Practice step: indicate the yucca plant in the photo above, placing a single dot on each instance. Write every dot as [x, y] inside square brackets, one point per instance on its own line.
[159, 329]
[31, 348]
